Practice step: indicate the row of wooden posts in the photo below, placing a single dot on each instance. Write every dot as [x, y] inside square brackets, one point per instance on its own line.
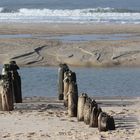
[82, 107]
[10, 86]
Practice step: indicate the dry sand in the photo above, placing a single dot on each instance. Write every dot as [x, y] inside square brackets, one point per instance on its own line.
[46, 119]
[38, 51]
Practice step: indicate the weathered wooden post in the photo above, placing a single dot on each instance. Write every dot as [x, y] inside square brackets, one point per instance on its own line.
[72, 99]
[88, 108]
[94, 116]
[80, 108]
[72, 95]
[16, 82]
[62, 69]
[5, 69]
[66, 88]
[17, 87]
[105, 122]
[72, 76]
[6, 92]
[111, 123]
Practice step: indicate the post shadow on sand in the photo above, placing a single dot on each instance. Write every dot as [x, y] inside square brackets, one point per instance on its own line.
[121, 120]
[126, 122]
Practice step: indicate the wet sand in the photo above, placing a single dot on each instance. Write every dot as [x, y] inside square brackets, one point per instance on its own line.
[62, 28]
[33, 48]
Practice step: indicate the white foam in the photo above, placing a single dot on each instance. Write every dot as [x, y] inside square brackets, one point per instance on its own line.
[78, 15]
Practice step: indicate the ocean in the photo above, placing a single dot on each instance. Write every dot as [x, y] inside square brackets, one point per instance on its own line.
[70, 11]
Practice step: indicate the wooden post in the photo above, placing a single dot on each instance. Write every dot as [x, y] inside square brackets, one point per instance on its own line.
[62, 69]
[5, 69]
[6, 93]
[105, 122]
[72, 99]
[72, 95]
[110, 123]
[17, 86]
[16, 82]
[72, 76]
[66, 88]
[88, 108]
[80, 108]
[94, 116]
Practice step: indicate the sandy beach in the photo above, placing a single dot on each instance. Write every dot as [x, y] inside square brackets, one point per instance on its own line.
[42, 118]
[99, 40]
[31, 45]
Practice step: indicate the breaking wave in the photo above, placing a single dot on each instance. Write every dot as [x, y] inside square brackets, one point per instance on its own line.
[97, 15]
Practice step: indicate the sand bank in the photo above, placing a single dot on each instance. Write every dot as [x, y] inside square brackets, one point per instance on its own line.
[62, 28]
[42, 118]
[34, 50]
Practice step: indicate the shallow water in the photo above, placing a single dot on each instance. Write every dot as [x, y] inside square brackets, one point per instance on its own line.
[91, 37]
[73, 38]
[42, 81]
[10, 36]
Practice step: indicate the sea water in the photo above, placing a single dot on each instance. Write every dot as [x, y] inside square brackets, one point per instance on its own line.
[70, 11]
